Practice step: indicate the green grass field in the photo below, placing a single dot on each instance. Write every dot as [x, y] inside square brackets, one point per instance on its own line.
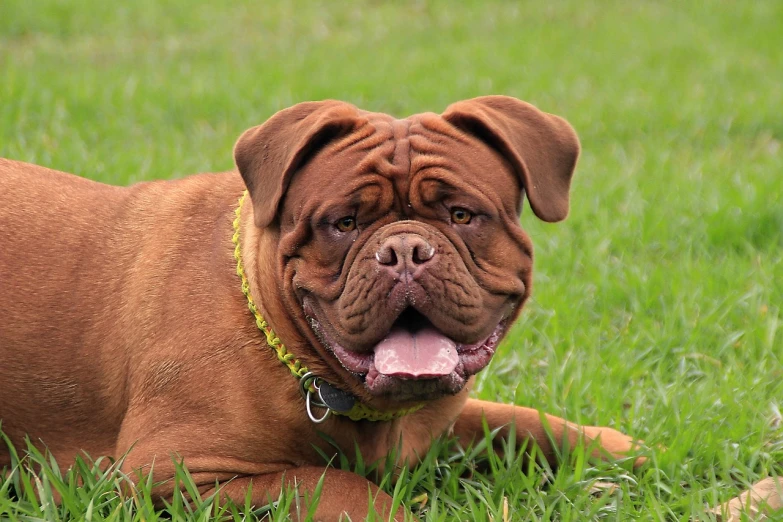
[658, 305]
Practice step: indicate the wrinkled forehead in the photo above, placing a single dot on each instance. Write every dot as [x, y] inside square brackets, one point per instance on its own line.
[389, 152]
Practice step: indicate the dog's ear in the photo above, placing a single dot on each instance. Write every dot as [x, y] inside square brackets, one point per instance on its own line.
[267, 156]
[542, 148]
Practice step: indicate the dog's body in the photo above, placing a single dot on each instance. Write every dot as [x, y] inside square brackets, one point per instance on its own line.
[123, 321]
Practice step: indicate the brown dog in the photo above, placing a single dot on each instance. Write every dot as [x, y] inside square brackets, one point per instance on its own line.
[385, 254]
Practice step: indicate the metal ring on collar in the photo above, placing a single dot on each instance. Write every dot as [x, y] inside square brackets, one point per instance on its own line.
[317, 420]
[306, 380]
[311, 401]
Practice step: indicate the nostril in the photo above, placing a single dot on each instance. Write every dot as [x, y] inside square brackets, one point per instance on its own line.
[422, 252]
[386, 256]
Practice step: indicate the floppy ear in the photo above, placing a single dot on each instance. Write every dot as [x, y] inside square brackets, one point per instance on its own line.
[267, 156]
[542, 148]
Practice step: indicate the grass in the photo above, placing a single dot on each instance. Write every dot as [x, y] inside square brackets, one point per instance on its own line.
[658, 306]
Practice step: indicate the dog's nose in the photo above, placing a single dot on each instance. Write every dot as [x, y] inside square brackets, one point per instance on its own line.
[404, 252]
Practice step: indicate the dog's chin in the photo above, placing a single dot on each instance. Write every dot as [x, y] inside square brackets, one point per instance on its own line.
[415, 361]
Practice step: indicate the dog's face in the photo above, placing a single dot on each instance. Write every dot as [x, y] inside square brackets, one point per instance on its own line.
[400, 247]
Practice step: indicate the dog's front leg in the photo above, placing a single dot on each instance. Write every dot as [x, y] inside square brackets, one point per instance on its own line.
[530, 428]
[344, 496]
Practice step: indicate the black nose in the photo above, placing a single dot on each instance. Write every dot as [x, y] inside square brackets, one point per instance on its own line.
[404, 252]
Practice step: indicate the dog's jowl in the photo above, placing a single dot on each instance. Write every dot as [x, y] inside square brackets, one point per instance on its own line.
[350, 277]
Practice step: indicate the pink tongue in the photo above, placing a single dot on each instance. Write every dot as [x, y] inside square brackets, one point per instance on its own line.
[421, 355]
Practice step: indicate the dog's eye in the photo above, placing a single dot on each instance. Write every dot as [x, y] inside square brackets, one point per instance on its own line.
[346, 224]
[460, 216]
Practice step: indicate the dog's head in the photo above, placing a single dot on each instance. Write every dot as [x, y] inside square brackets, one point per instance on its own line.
[400, 249]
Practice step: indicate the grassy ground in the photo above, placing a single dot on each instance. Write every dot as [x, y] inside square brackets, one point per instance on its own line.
[658, 305]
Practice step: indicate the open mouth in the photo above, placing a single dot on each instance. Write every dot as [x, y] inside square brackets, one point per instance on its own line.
[414, 358]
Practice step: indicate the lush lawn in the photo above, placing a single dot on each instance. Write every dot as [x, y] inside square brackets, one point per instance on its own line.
[658, 305]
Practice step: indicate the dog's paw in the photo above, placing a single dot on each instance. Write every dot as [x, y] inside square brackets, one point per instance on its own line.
[616, 444]
[758, 502]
